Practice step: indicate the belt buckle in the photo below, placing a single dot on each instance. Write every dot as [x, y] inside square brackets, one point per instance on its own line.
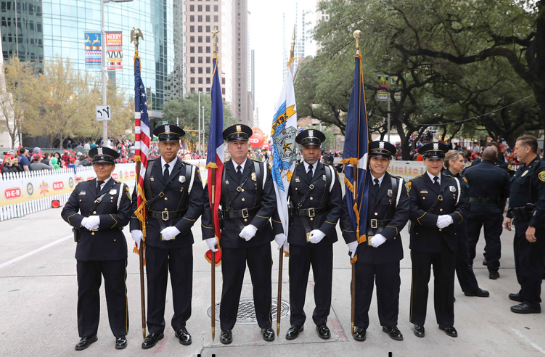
[311, 212]
[164, 215]
[245, 213]
[374, 223]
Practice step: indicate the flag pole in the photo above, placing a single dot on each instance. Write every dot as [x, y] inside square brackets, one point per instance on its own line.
[135, 34]
[357, 36]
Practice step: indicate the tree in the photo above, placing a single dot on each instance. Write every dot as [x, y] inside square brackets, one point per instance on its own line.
[17, 88]
[186, 112]
[66, 101]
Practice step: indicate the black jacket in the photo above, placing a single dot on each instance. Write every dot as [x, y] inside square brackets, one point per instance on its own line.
[108, 243]
[426, 237]
[487, 180]
[171, 202]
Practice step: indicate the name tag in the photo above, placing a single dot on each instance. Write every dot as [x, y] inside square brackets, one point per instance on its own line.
[82, 193]
[113, 192]
[423, 191]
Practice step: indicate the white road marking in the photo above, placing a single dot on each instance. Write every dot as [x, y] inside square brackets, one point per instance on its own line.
[3, 265]
[527, 340]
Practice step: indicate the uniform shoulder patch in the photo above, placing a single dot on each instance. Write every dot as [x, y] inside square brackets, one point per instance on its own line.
[465, 180]
[408, 186]
[541, 176]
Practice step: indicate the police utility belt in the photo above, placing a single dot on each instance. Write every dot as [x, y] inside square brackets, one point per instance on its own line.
[523, 213]
[242, 213]
[309, 212]
[483, 200]
[166, 215]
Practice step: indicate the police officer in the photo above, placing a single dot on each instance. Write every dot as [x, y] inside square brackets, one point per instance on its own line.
[174, 194]
[98, 210]
[316, 204]
[527, 209]
[437, 206]
[488, 192]
[379, 255]
[499, 163]
[454, 163]
[248, 201]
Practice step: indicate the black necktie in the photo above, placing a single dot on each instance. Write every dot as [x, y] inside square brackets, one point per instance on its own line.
[309, 173]
[377, 186]
[99, 183]
[166, 174]
[436, 182]
[239, 171]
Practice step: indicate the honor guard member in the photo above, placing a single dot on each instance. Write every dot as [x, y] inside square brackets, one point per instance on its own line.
[174, 195]
[454, 163]
[315, 207]
[437, 206]
[527, 213]
[379, 256]
[488, 192]
[248, 201]
[98, 210]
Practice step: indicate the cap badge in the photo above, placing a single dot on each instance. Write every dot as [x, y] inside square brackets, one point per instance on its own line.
[239, 129]
[381, 144]
[167, 129]
[100, 151]
[435, 146]
[310, 133]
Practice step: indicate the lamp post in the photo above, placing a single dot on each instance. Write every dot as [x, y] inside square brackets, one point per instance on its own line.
[103, 65]
[199, 120]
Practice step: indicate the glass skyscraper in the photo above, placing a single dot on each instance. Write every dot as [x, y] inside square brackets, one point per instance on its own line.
[38, 30]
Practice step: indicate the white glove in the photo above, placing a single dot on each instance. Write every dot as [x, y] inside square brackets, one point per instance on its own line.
[170, 233]
[280, 239]
[352, 246]
[211, 244]
[85, 222]
[137, 237]
[248, 232]
[444, 221]
[316, 236]
[93, 222]
[377, 240]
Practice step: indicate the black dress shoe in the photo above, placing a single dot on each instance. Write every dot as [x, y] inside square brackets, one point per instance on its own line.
[449, 330]
[268, 334]
[323, 332]
[479, 292]
[183, 336]
[516, 297]
[485, 262]
[151, 340]
[419, 331]
[86, 342]
[525, 309]
[120, 342]
[393, 332]
[359, 334]
[293, 332]
[226, 337]
[494, 275]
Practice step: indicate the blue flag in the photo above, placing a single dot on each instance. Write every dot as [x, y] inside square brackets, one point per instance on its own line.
[355, 150]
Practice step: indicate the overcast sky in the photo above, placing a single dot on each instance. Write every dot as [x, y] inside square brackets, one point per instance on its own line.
[266, 39]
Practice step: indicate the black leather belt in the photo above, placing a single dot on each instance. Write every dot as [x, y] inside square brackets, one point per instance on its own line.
[243, 213]
[378, 223]
[483, 200]
[310, 212]
[166, 215]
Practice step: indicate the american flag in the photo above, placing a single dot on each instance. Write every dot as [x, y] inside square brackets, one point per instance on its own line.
[142, 139]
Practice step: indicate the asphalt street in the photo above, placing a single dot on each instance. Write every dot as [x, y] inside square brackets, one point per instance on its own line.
[38, 295]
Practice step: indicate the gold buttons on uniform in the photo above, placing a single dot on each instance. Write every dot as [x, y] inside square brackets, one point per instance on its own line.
[94, 212]
[440, 229]
[166, 209]
[311, 198]
[312, 219]
[242, 190]
[423, 198]
[115, 240]
[243, 199]
[440, 210]
[376, 214]
[245, 220]
[92, 233]
[166, 198]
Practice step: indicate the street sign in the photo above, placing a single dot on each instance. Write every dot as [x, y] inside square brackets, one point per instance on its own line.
[103, 113]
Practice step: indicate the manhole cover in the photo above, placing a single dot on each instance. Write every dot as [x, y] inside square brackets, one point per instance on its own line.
[246, 311]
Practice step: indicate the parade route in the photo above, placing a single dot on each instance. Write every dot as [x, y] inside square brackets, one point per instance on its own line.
[38, 296]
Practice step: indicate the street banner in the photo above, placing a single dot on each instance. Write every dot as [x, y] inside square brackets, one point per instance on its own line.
[114, 50]
[93, 49]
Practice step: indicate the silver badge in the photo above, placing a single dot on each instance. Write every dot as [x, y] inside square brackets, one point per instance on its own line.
[452, 189]
[389, 193]
[167, 129]
[100, 151]
[311, 133]
[323, 176]
[435, 146]
[381, 144]
[181, 179]
[82, 193]
[113, 191]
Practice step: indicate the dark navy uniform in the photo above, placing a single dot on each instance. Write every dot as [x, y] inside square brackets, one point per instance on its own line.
[247, 199]
[102, 251]
[431, 245]
[179, 206]
[528, 186]
[488, 192]
[499, 163]
[388, 212]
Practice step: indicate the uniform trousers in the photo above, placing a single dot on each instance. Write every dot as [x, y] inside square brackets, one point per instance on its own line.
[159, 262]
[529, 260]
[464, 268]
[321, 259]
[233, 267]
[89, 280]
[443, 272]
[492, 223]
[388, 284]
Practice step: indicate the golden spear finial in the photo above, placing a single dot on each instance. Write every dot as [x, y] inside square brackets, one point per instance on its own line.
[215, 39]
[357, 36]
